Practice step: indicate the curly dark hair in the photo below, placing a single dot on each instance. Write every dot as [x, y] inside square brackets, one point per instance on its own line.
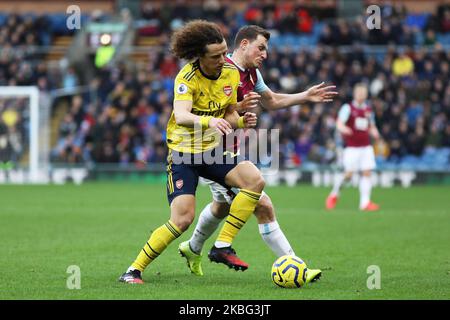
[190, 41]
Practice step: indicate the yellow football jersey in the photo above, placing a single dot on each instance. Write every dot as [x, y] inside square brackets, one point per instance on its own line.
[209, 98]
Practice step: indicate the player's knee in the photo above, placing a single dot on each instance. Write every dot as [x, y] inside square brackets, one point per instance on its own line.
[184, 219]
[264, 211]
[185, 222]
[260, 183]
[246, 176]
[256, 184]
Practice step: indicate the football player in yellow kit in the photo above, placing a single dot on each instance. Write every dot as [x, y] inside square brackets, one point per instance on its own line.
[205, 99]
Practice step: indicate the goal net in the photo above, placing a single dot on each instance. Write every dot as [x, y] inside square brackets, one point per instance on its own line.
[24, 135]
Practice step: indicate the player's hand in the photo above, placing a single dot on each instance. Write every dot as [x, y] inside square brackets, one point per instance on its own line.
[321, 93]
[250, 119]
[221, 125]
[376, 136]
[250, 101]
[346, 131]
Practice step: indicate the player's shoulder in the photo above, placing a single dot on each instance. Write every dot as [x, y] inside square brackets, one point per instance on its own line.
[230, 70]
[229, 65]
[188, 72]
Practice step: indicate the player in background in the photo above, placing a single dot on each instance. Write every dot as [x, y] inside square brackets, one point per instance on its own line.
[356, 123]
[251, 46]
[205, 97]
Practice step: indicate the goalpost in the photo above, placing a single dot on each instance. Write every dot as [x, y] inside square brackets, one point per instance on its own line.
[24, 135]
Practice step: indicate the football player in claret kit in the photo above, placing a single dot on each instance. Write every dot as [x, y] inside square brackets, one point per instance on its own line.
[205, 98]
[251, 45]
[356, 123]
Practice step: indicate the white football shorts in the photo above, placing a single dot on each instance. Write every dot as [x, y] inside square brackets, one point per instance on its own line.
[358, 159]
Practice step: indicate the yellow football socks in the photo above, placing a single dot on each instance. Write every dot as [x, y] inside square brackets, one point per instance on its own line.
[159, 240]
[241, 209]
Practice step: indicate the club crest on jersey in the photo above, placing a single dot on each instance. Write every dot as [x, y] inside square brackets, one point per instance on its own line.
[182, 88]
[179, 184]
[227, 90]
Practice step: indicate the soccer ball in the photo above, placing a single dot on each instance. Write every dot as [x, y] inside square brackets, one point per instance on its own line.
[289, 272]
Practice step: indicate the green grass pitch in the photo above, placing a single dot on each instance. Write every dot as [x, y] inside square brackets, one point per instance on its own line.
[101, 227]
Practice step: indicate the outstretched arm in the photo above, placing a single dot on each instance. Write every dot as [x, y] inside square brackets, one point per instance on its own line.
[317, 93]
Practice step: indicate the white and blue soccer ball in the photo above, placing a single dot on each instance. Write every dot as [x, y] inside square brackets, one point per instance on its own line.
[289, 272]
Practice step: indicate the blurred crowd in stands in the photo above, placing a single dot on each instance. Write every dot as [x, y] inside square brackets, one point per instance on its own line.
[20, 65]
[315, 23]
[398, 28]
[124, 121]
